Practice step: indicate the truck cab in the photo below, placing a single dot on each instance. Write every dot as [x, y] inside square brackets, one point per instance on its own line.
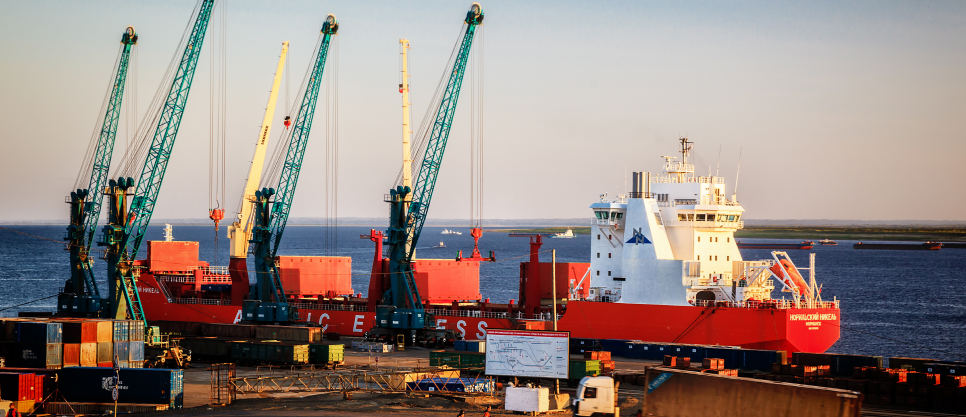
[596, 395]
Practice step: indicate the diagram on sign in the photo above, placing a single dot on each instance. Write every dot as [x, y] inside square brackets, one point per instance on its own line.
[527, 354]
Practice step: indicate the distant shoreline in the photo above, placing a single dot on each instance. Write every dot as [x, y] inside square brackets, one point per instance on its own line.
[864, 233]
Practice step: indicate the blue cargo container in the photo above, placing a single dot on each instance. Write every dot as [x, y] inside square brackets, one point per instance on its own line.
[478, 346]
[40, 332]
[693, 352]
[839, 365]
[459, 345]
[732, 357]
[120, 330]
[27, 355]
[450, 385]
[135, 330]
[122, 351]
[135, 351]
[755, 359]
[136, 386]
[635, 350]
[614, 346]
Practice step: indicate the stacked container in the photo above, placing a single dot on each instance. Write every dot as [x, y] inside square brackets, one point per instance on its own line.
[38, 344]
[136, 386]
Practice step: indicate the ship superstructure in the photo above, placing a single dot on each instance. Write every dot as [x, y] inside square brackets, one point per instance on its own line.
[671, 242]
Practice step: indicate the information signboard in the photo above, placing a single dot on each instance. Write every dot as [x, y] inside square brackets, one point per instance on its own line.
[528, 353]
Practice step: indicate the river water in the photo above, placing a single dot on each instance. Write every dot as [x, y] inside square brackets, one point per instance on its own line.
[893, 303]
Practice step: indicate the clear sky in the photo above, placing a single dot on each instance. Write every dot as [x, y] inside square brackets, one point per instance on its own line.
[844, 110]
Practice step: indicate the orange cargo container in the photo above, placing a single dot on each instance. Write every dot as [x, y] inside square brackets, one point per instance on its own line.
[172, 256]
[71, 354]
[88, 354]
[315, 275]
[446, 280]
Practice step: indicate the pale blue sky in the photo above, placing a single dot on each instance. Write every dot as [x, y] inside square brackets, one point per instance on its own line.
[844, 111]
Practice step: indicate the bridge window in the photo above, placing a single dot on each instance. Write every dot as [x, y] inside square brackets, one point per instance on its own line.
[731, 218]
[620, 215]
[700, 217]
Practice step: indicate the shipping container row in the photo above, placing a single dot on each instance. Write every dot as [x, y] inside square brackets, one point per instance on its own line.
[241, 331]
[65, 330]
[262, 351]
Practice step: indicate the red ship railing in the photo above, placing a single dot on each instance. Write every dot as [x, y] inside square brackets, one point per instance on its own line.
[774, 304]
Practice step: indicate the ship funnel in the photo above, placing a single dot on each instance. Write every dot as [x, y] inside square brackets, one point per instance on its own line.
[641, 185]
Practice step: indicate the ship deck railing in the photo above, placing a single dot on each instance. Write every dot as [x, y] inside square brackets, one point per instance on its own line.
[205, 301]
[336, 306]
[475, 313]
[776, 304]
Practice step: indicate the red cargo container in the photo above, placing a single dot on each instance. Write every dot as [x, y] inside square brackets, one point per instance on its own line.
[315, 275]
[446, 280]
[17, 386]
[71, 354]
[568, 276]
[172, 256]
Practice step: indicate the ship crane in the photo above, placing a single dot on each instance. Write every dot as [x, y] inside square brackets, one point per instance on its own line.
[126, 227]
[240, 231]
[401, 311]
[81, 296]
[267, 302]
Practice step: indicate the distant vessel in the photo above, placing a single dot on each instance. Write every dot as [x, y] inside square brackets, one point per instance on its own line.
[440, 245]
[828, 242]
[450, 232]
[569, 234]
[805, 245]
[899, 246]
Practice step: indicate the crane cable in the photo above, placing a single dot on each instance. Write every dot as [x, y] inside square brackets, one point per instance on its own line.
[331, 191]
[87, 165]
[217, 113]
[476, 133]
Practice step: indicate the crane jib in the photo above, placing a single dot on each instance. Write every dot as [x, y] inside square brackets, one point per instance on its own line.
[429, 169]
[152, 174]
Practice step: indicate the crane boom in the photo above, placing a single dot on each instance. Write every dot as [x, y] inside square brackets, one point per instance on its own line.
[268, 297]
[81, 295]
[240, 231]
[402, 307]
[127, 232]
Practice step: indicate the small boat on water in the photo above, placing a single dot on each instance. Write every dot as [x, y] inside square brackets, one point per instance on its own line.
[804, 245]
[450, 232]
[827, 242]
[569, 234]
[440, 245]
[899, 246]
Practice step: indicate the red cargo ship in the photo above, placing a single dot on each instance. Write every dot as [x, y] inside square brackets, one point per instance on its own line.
[664, 268]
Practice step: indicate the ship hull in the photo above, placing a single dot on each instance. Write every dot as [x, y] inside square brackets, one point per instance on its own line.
[792, 330]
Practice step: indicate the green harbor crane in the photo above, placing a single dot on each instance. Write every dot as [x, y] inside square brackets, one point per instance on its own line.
[267, 302]
[401, 312]
[80, 296]
[127, 225]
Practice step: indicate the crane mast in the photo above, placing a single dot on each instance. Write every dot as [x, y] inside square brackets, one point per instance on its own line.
[240, 231]
[402, 308]
[267, 302]
[127, 226]
[81, 296]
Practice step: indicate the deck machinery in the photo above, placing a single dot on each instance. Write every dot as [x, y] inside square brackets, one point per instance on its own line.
[401, 312]
[80, 297]
[267, 302]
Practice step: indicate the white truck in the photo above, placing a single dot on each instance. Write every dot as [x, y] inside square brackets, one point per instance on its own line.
[597, 396]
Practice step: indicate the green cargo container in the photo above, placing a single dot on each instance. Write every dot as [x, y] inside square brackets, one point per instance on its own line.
[444, 358]
[326, 353]
[208, 348]
[580, 368]
[270, 352]
[472, 359]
